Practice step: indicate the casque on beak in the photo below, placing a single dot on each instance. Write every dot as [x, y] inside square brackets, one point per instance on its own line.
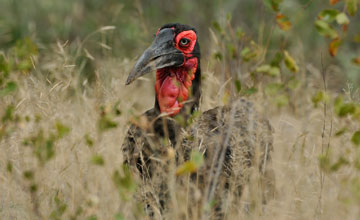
[162, 53]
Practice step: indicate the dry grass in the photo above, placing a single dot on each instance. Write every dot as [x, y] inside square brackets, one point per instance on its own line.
[76, 181]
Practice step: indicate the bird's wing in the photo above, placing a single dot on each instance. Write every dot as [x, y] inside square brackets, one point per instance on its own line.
[233, 139]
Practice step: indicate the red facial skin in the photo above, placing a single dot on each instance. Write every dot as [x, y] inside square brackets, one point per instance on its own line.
[173, 83]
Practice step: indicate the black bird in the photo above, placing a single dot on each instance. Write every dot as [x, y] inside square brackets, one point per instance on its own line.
[232, 139]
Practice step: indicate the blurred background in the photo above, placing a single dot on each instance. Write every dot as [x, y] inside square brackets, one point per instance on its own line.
[135, 22]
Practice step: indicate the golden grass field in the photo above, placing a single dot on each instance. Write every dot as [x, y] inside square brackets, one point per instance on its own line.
[301, 134]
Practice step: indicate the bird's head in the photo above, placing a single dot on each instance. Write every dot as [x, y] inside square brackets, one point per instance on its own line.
[175, 55]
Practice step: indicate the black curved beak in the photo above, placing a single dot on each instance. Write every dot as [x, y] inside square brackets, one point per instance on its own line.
[162, 53]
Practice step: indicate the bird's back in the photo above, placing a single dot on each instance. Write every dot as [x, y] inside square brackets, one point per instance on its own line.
[236, 143]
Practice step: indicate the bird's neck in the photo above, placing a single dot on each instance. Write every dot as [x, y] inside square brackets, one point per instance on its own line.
[177, 87]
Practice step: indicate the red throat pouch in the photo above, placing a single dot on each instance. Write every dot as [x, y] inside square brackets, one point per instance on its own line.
[173, 84]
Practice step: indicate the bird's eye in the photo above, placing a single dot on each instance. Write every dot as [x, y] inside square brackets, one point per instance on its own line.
[184, 41]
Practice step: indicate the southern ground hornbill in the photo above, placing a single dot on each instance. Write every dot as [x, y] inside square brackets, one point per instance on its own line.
[233, 139]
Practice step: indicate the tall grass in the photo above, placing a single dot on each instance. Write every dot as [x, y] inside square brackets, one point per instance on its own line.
[64, 114]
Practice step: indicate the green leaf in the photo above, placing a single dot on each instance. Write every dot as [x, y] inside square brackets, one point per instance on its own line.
[226, 98]
[9, 114]
[339, 163]
[191, 166]
[356, 138]
[346, 109]
[357, 164]
[124, 182]
[343, 109]
[282, 100]
[274, 4]
[325, 29]
[97, 159]
[267, 69]
[4, 67]
[228, 17]
[25, 65]
[320, 96]
[290, 62]
[61, 129]
[180, 119]
[279, 56]
[239, 33]
[274, 71]
[49, 149]
[247, 54]
[338, 102]
[106, 123]
[197, 158]
[187, 167]
[357, 38]
[33, 187]
[328, 15]
[272, 89]
[293, 83]
[9, 88]
[194, 115]
[342, 19]
[217, 27]
[43, 147]
[218, 56]
[116, 109]
[263, 68]
[283, 21]
[9, 167]
[341, 132]
[28, 174]
[334, 46]
[352, 6]
[88, 140]
[232, 50]
[60, 208]
[250, 91]
[25, 48]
